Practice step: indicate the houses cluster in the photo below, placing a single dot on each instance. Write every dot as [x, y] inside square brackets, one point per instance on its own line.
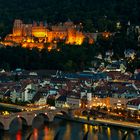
[104, 88]
[129, 54]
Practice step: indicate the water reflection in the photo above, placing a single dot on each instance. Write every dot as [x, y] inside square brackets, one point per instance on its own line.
[132, 136]
[68, 131]
[119, 134]
[108, 133]
[46, 133]
[35, 134]
[94, 137]
[85, 127]
[19, 135]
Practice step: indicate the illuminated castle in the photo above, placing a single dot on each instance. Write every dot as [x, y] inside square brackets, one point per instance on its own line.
[37, 34]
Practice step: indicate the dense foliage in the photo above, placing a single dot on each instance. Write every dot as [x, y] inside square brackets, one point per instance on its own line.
[95, 14]
[70, 57]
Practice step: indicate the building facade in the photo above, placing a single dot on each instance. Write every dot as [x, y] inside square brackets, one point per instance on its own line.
[36, 34]
[73, 101]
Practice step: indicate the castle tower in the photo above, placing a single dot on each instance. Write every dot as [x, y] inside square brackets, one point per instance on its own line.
[34, 24]
[79, 38]
[41, 24]
[68, 23]
[71, 39]
[18, 26]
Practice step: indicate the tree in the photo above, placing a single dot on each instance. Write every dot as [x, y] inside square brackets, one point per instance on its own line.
[69, 65]
[89, 26]
[51, 102]
[16, 78]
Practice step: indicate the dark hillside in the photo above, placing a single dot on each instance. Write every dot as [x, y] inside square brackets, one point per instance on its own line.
[60, 10]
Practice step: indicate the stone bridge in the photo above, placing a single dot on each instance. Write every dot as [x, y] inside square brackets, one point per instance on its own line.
[28, 117]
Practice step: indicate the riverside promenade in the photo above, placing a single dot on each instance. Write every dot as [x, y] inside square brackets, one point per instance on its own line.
[108, 122]
[119, 123]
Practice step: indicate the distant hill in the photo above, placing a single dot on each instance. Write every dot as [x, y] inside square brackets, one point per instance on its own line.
[60, 10]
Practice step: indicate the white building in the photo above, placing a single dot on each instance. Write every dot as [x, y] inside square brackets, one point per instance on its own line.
[60, 102]
[29, 92]
[41, 101]
[73, 101]
[130, 54]
[89, 96]
[14, 95]
[53, 91]
[134, 104]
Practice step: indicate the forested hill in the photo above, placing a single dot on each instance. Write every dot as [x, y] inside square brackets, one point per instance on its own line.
[60, 10]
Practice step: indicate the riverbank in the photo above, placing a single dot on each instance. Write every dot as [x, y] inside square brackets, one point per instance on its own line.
[68, 130]
[4, 107]
[12, 105]
[104, 122]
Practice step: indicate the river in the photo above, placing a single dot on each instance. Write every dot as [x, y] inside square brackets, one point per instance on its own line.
[68, 131]
[6, 108]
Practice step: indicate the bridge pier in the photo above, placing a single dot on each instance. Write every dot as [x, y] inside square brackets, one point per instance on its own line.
[30, 118]
[50, 116]
[71, 113]
[5, 121]
[6, 126]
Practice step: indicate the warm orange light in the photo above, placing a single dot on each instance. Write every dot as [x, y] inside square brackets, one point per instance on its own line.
[106, 34]
[39, 34]
[50, 48]
[35, 134]
[58, 50]
[18, 135]
[29, 40]
[91, 41]
[79, 40]
[46, 130]
[33, 35]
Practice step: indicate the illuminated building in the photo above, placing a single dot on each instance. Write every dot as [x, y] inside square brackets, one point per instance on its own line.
[36, 34]
[106, 35]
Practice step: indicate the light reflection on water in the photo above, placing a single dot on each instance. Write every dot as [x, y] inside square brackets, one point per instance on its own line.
[19, 135]
[109, 133]
[35, 134]
[120, 134]
[68, 131]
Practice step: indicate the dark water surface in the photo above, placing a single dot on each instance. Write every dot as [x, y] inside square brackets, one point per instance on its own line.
[68, 131]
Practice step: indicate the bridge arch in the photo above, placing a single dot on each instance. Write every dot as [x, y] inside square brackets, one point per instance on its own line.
[18, 122]
[62, 112]
[1, 126]
[40, 120]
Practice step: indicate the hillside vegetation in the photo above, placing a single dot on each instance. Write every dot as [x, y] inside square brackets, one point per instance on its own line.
[95, 14]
